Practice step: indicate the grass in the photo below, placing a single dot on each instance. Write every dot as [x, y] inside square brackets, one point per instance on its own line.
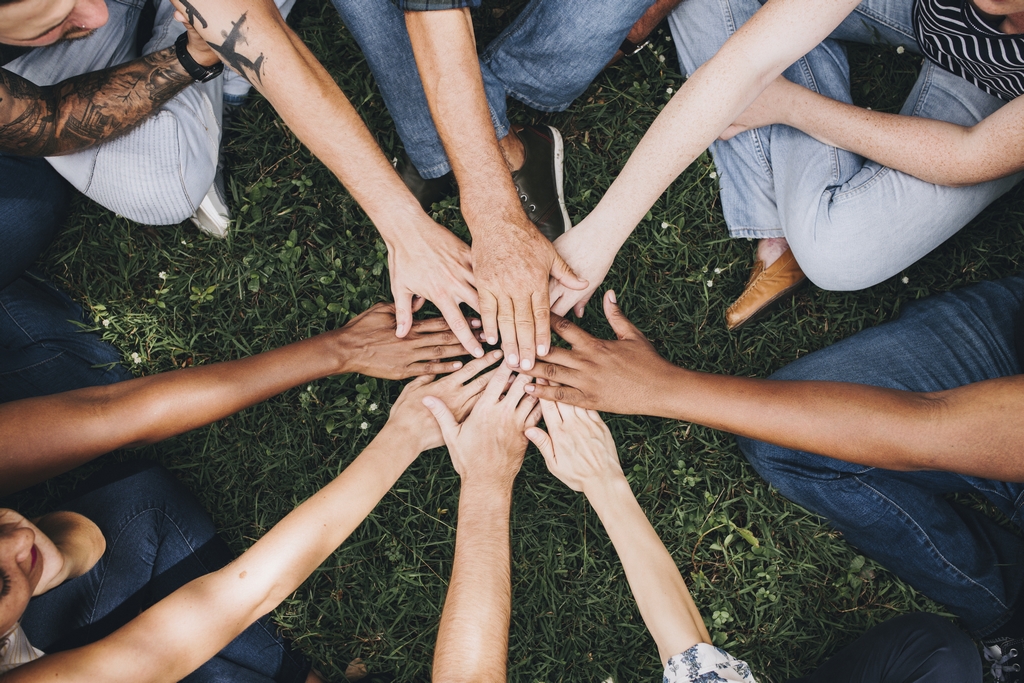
[303, 258]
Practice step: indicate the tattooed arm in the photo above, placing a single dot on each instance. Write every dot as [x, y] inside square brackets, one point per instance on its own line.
[82, 111]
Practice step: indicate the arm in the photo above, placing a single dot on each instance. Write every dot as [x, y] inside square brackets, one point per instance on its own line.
[713, 96]
[42, 437]
[252, 38]
[487, 451]
[511, 259]
[581, 453]
[974, 429]
[175, 636]
[85, 110]
[934, 151]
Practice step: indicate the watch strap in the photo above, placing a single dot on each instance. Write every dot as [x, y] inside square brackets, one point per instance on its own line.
[196, 70]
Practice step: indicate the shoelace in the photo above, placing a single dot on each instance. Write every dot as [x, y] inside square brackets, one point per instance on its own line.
[999, 661]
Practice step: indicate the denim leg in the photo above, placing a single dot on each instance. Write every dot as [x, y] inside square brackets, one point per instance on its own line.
[901, 519]
[33, 203]
[158, 539]
[910, 648]
[552, 51]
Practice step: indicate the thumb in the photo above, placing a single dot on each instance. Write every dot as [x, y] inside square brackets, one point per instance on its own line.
[561, 271]
[542, 441]
[445, 419]
[621, 326]
[403, 312]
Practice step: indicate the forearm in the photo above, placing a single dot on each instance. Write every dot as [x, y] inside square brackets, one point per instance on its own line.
[85, 110]
[41, 437]
[472, 638]
[974, 429]
[660, 592]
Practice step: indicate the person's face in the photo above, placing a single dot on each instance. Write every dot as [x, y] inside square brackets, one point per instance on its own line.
[21, 566]
[34, 23]
[999, 8]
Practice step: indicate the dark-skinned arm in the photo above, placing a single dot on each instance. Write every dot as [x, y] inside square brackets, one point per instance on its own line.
[84, 110]
[42, 437]
[974, 429]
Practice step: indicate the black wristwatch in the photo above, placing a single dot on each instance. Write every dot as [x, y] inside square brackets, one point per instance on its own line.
[195, 69]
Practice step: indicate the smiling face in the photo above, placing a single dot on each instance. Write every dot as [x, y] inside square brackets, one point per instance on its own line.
[34, 23]
[22, 562]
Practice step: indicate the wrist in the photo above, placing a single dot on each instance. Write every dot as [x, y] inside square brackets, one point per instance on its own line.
[664, 397]
[607, 493]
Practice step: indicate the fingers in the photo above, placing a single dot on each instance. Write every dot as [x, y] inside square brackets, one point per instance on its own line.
[474, 367]
[430, 325]
[553, 373]
[489, 316]
[434, 368]
[497, 383]
[561, 271]
[542, 441]
[552, 417]
[535, 413]
[507, 330]
[580, 307]
[417, 303]
[560, 394]
[445, 419]
[526, 338]
[461, 329]
[621, 325]
[569, 331]
[518, 389]
[403, 312]
[541, 324]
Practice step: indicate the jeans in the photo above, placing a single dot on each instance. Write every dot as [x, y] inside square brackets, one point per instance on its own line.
[850, 222]
[953, 554]
[911, 648]
[158, 539]
[159, 172]
[546, 58]
[43, 349]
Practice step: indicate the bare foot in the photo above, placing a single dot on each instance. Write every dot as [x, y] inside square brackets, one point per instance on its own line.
[770, 249]
[513, 151]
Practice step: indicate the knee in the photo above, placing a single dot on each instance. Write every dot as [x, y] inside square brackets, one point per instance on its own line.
[839, 266]
[940, 646]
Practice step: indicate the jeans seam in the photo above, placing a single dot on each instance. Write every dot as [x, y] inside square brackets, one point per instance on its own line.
[883, 19]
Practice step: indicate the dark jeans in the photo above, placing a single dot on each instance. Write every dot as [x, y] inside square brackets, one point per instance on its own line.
[158, 539]
[903, 520]
[913, 648]
[42, 349]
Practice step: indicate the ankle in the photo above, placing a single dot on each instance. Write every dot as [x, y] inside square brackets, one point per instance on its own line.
[770, 249]
[512, 149]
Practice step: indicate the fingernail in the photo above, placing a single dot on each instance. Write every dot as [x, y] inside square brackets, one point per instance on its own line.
[477, 353]
[527, 364]
[530, 388]
[474, 323]
[542, 350]
[497, 353]
[491, 340]
[611, 297]
[457, 364]
[513, 359]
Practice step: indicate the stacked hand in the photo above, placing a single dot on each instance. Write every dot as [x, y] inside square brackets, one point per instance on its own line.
[578, 448]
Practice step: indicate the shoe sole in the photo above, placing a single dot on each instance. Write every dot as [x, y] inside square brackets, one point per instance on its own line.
[560, 176]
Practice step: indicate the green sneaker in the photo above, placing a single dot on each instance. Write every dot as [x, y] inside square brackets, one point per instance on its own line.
[539, 181]
[427, 191]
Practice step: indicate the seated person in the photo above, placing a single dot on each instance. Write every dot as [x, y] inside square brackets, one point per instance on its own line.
[871, 433]
[822, 208]
[128, 582]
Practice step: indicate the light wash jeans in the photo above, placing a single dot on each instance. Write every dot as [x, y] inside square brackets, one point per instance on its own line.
[904, 520]
[159, 172]
[545, 59]
[851, 222]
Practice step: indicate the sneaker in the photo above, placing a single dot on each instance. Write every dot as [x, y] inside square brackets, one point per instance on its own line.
[1004, 654]
[427, 191]
[212, 216]
[765, 287]
[539, 181]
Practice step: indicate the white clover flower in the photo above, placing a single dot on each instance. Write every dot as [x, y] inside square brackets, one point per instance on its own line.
[710, 283]
[900, 50]
[661, 58]
[713, 175]
[664, 225]
[669, 90]
[668, 39]
[162, 275]
[373, 407]
[136, 358]
[364, 426]
[309, 388]
[718, 271]
[905, 280]
[106, 322]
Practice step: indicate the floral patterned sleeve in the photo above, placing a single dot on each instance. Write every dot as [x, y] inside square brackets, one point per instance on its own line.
[705, 663]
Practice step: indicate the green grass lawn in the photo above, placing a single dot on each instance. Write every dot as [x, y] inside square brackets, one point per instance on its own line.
[775, 584]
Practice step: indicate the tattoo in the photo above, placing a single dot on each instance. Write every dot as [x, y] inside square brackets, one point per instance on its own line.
[192, 13]
[248, 68]
[85, 110]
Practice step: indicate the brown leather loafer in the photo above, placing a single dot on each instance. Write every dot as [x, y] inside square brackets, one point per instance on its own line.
[765, 286]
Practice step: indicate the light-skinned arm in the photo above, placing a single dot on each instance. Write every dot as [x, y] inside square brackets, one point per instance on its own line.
[42, 437]
[713, 96]
[425, 258]
[174, 637]
[579, 450]
[934, 151]
[974, 429]
[487, 451]
[512, 261]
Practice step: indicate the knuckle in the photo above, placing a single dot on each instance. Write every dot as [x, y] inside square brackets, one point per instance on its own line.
[438, 352]
[550, 371]
[562, 325]
[561, 394]
[448, 338]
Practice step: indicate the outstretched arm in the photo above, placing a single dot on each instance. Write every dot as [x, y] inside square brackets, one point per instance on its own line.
[934, 151]
[174, 637]
[581, 453]
[974, 429]
[42, 437]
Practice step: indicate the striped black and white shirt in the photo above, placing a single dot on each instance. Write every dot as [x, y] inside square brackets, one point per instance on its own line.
[956, 37]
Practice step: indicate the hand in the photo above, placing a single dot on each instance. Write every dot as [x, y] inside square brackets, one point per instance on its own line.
[512, 273]
[580, 450]
[432, 263]
[368, 345]
[489, 446]
[769, 107]
[615, 376]
[588, 260]
[410, 415]
[198, 48]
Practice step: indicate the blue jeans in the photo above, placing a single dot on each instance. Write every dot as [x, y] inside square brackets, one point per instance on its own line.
[546, 58]
[952, 554]
[42, 349]
[850, 222]
[158, 539]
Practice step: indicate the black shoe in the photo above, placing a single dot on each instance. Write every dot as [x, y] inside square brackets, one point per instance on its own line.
[427, 191]
[539, 181]
[1005, 655]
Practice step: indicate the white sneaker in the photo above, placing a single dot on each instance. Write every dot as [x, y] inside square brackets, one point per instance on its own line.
[212, 216]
